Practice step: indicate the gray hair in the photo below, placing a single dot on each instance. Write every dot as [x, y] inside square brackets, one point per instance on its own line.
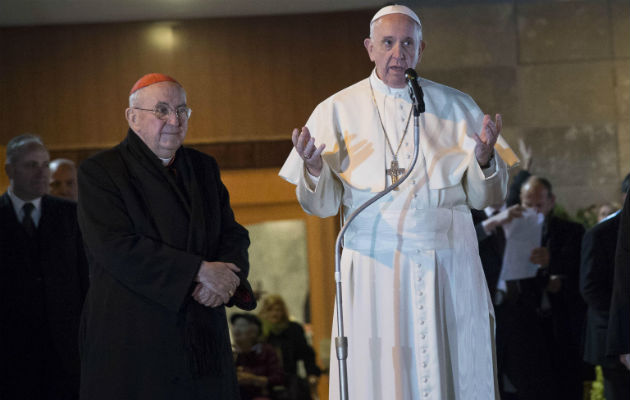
[134, 96]
[57, 162]
[18, 144]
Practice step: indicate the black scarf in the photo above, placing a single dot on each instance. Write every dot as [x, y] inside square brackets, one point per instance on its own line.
[175, 206]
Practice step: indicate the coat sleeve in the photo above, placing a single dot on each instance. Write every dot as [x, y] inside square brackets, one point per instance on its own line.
[144, 265]
[233, 246]
[618, 341]
[594, 285]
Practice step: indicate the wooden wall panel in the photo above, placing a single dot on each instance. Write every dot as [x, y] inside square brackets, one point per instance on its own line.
[247, 78]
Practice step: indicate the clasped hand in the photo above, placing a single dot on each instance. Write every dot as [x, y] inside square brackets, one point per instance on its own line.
[217, 282]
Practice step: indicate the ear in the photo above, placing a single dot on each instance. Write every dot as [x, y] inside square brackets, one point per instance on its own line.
[421, 50]
[130, 116]
[8, 170]
[369, 46]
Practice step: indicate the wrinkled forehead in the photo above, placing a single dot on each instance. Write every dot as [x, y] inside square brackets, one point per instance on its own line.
[31, 151]
[396, 24]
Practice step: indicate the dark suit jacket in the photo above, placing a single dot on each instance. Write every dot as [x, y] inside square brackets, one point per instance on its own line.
[619, 323]
[491, 248]
[564, 239]
[146, 231]
[42, 287]
[596, 281]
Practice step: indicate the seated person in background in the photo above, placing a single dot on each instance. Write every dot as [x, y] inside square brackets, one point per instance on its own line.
[287, 337]
[63, 179]
[257, 366]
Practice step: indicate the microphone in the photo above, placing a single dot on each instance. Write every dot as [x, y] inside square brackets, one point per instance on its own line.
[415, 91]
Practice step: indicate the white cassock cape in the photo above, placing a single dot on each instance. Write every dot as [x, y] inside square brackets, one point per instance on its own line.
[417, 312]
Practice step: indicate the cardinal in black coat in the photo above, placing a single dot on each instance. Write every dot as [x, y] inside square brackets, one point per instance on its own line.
[152, 212]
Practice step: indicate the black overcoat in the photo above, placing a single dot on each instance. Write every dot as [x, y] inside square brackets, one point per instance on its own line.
[146, 231]
[41, 293]
[619, 323]
[597, 271]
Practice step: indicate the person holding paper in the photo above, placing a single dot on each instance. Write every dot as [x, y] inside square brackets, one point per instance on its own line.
[561, 310]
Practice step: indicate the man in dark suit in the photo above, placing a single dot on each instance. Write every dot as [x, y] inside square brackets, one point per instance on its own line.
[561, 309]
[166, 256]
[596, 285]
[43, 280]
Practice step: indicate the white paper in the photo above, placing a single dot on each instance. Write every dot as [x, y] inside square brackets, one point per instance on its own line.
[522, 235]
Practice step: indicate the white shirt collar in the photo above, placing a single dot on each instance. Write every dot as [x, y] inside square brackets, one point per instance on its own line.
[165, 161]
[380, 86]
[19, 203]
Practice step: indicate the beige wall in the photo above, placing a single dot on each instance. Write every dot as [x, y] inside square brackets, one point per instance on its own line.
[560, 74]
[558, 71]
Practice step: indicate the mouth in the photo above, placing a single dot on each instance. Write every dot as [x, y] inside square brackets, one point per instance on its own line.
[397, 68]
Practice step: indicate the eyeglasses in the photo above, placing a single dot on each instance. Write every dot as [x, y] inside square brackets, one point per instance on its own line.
[163, 111]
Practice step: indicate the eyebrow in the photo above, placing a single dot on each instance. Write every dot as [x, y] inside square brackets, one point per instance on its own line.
[392, 37]
[165, 103]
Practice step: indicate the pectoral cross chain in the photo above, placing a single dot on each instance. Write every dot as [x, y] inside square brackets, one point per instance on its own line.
[395, 172]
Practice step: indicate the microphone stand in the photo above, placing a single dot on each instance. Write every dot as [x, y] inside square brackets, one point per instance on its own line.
[341, 341]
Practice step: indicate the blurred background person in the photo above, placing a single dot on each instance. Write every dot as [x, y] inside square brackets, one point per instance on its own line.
[605, 210]
[618, 340]
[597, 272]
[63, 179]
[288, 338]
[561, 310]
[43, 281]
[258, 368]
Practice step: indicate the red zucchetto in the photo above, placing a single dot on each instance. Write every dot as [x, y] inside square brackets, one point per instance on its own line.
[150, 79]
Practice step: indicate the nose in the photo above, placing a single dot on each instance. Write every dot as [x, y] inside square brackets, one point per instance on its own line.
[172, 118]
[397, 51]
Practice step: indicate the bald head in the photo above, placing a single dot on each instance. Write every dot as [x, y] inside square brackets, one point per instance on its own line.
[63, 179]
[537, 193]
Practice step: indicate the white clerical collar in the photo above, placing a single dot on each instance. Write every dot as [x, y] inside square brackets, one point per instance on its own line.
[380, 86]
[19, 203]
[165, 161]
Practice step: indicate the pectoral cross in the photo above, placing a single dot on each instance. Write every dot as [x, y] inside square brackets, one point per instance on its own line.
[394, 172]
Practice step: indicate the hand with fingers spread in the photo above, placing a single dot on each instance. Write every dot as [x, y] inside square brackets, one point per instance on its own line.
[490, 132]
[304, 144]
[217, 283]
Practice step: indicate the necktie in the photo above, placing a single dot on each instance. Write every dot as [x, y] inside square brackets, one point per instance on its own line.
[27, 222]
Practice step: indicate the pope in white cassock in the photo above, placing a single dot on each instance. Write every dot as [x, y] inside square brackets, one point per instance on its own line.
[418, 316]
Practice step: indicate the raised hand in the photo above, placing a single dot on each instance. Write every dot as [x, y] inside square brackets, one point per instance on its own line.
[490, 131]
[304, 144]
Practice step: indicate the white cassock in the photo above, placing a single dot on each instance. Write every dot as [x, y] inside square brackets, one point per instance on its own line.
[417, 311]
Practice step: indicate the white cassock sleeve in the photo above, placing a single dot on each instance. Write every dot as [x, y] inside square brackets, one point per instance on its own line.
[486, 187]
[321, 198]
